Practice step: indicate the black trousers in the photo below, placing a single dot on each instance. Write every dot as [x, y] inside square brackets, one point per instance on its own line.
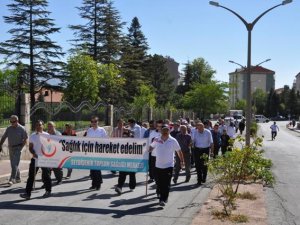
[216, 150]
[58, 173]
[122, 178]
[31, 176]
[152, 160]
[96, 177]
[163, 182]
[201, 167]
[274, 134]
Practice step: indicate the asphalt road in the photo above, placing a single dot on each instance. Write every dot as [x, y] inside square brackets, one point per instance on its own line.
[283, 201]
[72, 203]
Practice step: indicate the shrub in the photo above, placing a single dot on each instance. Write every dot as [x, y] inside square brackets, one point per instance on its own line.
[242, 164]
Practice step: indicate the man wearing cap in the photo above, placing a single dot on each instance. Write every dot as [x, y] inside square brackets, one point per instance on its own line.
[165, 147]
[17, 138]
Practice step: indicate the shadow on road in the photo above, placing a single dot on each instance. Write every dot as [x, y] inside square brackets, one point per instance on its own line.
[116, 213]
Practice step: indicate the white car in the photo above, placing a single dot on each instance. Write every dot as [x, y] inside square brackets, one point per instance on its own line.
[261, 119]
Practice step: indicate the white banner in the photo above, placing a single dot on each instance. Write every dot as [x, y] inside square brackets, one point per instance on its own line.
[120, 154]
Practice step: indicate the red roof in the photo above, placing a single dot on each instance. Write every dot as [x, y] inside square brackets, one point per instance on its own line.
[257, 69]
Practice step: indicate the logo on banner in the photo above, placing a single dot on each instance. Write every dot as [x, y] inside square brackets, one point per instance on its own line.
[48, 148]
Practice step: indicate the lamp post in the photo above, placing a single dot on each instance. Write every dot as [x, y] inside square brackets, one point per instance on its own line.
[249, 27]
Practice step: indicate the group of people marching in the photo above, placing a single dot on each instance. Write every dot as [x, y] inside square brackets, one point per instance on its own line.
[173, 147]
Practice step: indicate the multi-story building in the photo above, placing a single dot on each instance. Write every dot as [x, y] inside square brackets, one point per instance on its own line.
[296, 84]
[261, 78]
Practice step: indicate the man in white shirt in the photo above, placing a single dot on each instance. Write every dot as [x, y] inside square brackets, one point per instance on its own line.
[165, 147]
[204, 146]
[274, 129]
[135, 128]
[97, 132]
[35, 149]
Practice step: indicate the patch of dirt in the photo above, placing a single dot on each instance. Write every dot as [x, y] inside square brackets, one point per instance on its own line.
[255, 210]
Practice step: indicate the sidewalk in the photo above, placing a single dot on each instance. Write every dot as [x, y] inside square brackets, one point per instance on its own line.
[294, 129]
[5, 169]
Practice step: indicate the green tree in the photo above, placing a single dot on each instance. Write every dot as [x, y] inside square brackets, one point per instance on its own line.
[205, 99]
[158, 76]
[293, 102]
[145, 99]
[82, 82]
[31, 43]
[197, 71]
[241, 104]
[273, 102]
[133, 58]
[259, 101]
[111, 84]
[101, 35]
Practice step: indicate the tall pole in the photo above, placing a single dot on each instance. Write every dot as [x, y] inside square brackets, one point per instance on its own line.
[249, 100]
[249, 27]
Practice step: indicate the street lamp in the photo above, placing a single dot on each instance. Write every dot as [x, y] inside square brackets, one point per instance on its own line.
[243, 67]
[249, 27]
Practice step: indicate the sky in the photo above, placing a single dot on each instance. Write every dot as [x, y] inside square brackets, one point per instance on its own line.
[189, 29]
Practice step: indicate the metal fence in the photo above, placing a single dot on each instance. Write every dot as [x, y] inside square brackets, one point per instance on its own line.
[146, 114]
[8, 103]
[61, 113]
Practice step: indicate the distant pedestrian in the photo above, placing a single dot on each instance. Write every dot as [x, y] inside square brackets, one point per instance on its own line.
[274, 128]
[294, 122]
[242, 126]
[17, 138]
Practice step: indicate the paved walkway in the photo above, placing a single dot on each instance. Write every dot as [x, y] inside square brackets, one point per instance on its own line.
[5, 169]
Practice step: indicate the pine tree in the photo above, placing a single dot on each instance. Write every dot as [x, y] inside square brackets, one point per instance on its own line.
[133, 58]
[101, 36]
[31, 43]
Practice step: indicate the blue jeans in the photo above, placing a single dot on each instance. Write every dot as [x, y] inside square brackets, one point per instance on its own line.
[15, 156]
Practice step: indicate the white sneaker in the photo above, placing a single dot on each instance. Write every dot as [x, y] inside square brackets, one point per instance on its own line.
[10, 183]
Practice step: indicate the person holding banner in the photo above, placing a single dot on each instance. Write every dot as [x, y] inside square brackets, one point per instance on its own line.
[96, 132]
[69, 132]
[58, 172]
[152, 159]
[122, 174]
[35, 149]
[135, 128]
[165, 147]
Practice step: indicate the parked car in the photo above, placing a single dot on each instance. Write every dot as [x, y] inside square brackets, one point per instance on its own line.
[278, 118]
[261, 119]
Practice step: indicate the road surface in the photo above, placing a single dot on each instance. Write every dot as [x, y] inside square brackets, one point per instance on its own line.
[283, 201]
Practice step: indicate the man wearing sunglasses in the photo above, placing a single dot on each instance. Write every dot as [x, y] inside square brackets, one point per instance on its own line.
[17, 138]
[96, 132]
